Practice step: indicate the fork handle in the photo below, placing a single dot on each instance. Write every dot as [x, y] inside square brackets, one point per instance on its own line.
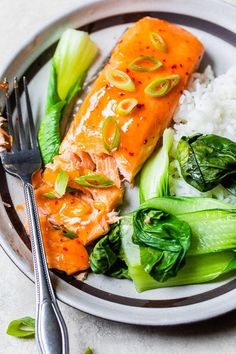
[51, 331]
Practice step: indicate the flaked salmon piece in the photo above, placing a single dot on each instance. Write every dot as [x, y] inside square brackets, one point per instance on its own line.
[106, 165]
[89, 211]
[63, 253]
[76, 213]
[103, 165]
[142, 128]
[71, 162]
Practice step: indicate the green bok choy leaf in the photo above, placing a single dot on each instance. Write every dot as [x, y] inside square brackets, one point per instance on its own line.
[106, 257]
[207, 160]
[164, 241]
[74, 54]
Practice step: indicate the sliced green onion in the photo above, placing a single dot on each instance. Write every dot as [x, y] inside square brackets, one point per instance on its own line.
[22, 327]
[61, 183]
[158, 41]
[89, 351]
[95, 181]
[158, 88]
[49, 195]
[126, 106]
[162, 85]
[120, 80]
[138, 64]
[70, 234]
[113, 142]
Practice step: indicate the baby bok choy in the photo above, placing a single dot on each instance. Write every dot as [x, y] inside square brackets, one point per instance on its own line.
[170, 241]
[208, 160]
[74, 54]
[154, 177]
[106, 257]
[209, 256]
[198, 269]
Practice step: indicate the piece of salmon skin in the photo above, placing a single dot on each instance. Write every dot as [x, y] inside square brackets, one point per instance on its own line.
[87, 212]
[141, 129]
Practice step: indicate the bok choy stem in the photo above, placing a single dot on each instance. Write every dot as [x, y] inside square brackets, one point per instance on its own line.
[154, 177]
[74, 54]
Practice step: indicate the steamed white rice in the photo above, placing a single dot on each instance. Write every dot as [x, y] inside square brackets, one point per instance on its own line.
[208, 106]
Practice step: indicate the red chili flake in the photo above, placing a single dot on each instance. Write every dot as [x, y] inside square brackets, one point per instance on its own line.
[56, 202]
[65, 249]
[164, 60]
[145, 141]
[106, 86]
[140, 105]
[127, 70]
[121, 93]
[181, 65]
[131, 153]
[181, 92]
[187, 73]
[140, 82]
[147, 47]
[174, 66]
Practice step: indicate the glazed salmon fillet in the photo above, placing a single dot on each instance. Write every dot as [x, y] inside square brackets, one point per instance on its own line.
[86, 212]
[142, 128]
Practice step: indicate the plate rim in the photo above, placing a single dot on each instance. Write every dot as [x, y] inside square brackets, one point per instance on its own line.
[8, 250]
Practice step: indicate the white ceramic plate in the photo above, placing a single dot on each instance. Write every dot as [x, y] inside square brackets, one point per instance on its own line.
[214, 23]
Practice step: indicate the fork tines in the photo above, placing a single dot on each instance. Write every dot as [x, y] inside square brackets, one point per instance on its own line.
[32, 131]
[18, 132]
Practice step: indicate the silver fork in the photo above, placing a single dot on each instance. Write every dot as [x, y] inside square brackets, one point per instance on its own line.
[22, 161]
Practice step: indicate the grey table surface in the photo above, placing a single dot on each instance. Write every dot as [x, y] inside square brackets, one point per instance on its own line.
[19, 19]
